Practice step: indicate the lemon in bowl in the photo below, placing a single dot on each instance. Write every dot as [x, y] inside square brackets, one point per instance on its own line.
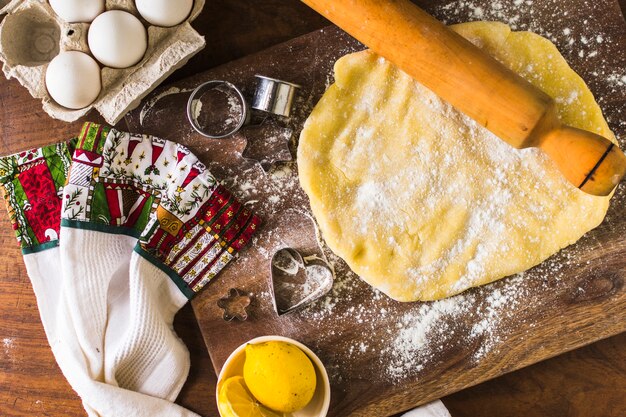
[275, 372]
[235, 400]
[279, 375]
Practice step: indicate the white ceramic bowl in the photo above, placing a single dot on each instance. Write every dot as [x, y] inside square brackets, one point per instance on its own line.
[318, 407]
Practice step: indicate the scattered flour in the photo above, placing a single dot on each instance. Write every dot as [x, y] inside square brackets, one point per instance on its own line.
[400, 341]
[8, 345]
[419, 334]
[521, 15]
[235, 112]
[7, 342]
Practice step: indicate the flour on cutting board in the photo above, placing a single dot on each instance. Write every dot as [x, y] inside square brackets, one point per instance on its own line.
[586, 41]
[415, 339]
[8, 344]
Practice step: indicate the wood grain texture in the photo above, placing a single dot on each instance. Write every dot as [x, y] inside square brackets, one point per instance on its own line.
[586, 382]
[532, 390]
[582, 303]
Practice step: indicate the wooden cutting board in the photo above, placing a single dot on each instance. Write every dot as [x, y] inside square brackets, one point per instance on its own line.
[382, 356]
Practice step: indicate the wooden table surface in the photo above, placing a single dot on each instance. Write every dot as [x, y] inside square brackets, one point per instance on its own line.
[590, 381]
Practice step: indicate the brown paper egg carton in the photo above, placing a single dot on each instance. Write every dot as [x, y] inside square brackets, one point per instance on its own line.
[31, 35]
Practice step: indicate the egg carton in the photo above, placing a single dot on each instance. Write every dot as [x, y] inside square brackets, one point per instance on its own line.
[31, 35]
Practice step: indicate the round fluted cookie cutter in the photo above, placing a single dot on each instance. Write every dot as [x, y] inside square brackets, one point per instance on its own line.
[235, 106]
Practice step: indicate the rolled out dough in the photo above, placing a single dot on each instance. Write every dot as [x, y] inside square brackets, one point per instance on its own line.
[420, 201]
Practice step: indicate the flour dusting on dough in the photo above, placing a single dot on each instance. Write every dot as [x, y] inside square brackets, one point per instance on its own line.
[421, 201]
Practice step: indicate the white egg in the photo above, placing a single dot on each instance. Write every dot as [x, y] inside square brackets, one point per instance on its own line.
[164, 12]
[117, 39]
[73, 79]
[76, 11]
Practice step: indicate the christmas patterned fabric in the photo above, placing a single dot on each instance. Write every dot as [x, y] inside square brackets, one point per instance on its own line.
[78, 210]
[32, 185]
[158, 191]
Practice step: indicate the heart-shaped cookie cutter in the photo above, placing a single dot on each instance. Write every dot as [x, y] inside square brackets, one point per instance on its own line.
[297, 281]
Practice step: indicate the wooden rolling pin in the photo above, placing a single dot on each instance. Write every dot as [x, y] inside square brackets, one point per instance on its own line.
[478, 85]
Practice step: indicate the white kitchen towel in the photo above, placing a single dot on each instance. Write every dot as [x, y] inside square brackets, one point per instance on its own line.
[144, 228]
[32, 183]
[150, 357]
[185, 226]
[433, 409]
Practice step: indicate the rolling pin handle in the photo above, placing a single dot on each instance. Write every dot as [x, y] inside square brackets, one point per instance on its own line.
[589, 161]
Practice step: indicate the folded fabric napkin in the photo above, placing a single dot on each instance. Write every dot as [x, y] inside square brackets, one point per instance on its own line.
[433, 409]
[118, 232]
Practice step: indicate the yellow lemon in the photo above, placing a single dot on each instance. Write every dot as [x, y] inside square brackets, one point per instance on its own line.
[234, 400]
[279, 375]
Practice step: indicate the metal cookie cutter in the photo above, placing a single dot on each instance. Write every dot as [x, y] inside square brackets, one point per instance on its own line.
[235, 305]
[296, 281]
[217, 109]
[227, 109]
[274, 96]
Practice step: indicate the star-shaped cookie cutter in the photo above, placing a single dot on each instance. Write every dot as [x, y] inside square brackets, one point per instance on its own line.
[235, 305]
